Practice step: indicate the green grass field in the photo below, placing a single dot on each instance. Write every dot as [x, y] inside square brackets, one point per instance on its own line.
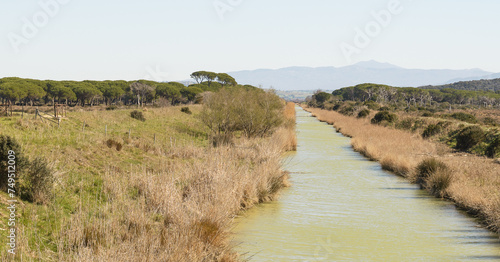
[81, 156]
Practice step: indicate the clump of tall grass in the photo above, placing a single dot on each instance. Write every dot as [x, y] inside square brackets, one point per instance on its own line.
[186, 110]
[113, 143]
[433, 175]
[288, 130]
[36, 182]
[137, 115]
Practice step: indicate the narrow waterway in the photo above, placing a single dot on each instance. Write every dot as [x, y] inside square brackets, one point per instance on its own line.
[343, 207]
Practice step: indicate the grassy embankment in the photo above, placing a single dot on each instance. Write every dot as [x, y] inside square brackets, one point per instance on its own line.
[471, 182]
[158, 193]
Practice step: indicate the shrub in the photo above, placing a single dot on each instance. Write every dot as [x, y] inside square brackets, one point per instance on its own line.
[464, 117]
[112, 143]
[493, 149]
[469, 137]
[427, 114]
[444, 124]
[417, 124]
[434, 175]
[384, 116]
[33, 180]
[336, 107]
[347, 110]
[7, 144]
[363, 113]
[186, 110]
[255, 112]
[137, 115]
[111, 108]
[384, 108]
[431, 130]
[489, 121]
[372, 105]
[405, 124]
[36, 182]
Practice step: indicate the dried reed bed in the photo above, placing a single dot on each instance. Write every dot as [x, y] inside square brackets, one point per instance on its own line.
[289, 130]
[475, 181]
[181, 213]
[176, 205]
[396, 150]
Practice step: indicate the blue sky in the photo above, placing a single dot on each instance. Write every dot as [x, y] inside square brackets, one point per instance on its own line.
[167, 40]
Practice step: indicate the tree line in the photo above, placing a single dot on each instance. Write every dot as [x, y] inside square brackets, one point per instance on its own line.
[406, 96]
[476, 85]
[14, 90]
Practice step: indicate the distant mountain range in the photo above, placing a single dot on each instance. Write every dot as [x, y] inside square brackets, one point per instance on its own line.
[332, 78]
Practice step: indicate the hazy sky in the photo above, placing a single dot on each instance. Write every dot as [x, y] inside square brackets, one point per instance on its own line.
[168, 39]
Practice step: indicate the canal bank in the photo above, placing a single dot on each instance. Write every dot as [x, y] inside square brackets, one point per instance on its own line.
[343, 207]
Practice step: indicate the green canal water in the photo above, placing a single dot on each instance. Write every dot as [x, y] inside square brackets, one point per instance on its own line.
[343, 207]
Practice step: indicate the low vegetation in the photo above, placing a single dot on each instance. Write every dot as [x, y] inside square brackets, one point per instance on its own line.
[469, 137]
[433, 175]
[111, 188]
[137, 115]
[253, 112]
[384, 117]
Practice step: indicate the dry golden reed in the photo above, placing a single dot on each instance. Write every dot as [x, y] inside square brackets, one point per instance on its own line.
[181, 213]
[178, 205]
[290, 118]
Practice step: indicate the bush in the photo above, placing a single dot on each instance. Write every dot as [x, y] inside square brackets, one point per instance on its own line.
[384, 116]
[363, 113]
[255, 112]
[434, 175]
[469, 137]
[493, 149]
[7, 144]
[431, 130]
[113, 143]
[111, 108]
[419, 123]
[347, 110]
[464, 117]
[336, 107]
[427, 114]
[33, 180]
[36, 183]
[372, 105]
[489, 121]
[405, 124]
[137, 115]
[384, 108]
[186, 110]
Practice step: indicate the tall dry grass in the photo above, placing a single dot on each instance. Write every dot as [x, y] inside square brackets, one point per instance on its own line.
[288, 131]
[180, 213]
[177, 205]
[475, 181]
